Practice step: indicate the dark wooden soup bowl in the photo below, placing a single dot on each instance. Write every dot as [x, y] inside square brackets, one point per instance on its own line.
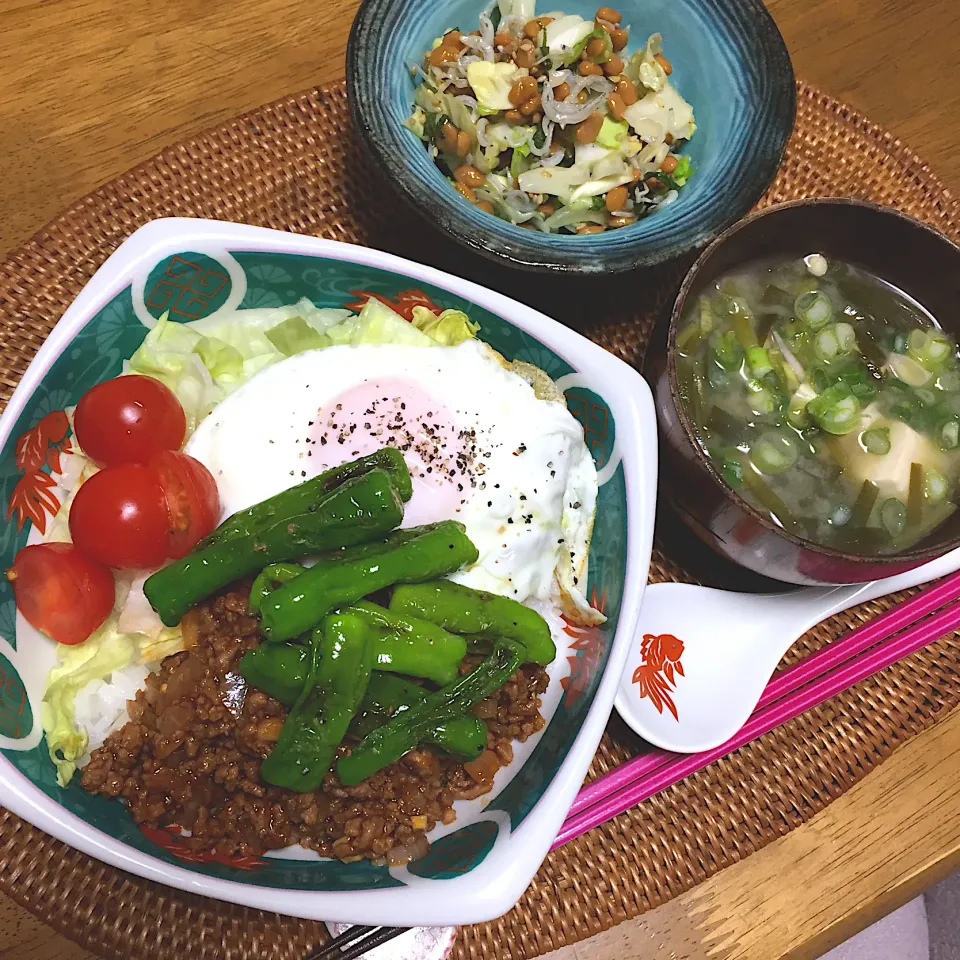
[904, 252]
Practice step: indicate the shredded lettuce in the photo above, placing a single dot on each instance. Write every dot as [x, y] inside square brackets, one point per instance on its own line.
[97, 657]
[450, 328]
[295, 335]
[168, 353]
[377, 323]
[203, 361]
[224, 362]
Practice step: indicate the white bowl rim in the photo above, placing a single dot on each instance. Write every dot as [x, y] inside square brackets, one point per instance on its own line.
[495, 885]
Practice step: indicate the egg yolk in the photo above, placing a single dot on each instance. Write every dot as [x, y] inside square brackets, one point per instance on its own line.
[396, 412]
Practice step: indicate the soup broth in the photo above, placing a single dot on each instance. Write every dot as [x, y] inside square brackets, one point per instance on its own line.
[828, 399]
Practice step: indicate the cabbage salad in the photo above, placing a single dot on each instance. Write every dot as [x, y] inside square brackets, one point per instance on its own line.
[202, 362]
[548, 122]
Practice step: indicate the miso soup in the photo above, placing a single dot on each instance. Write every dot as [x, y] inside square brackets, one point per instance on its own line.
[829, 400]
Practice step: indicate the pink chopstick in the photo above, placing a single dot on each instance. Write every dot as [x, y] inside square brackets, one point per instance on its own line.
[762, 721]
[790, 680]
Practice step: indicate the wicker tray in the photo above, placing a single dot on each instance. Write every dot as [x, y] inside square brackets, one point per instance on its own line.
[293, 166]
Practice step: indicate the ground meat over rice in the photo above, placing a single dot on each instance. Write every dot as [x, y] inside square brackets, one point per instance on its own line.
[190, 756]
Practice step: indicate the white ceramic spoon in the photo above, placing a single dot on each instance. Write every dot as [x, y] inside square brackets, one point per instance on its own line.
[702, 657]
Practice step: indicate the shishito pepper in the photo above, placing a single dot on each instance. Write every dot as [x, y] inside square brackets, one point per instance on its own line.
[414, 648]
[462, 737]
[269, 579]
[404, 731]
[462, 609]
[362, 509]
[416, 554]
[341, 658]
[280, 671]
[305, 497]
[410, 646]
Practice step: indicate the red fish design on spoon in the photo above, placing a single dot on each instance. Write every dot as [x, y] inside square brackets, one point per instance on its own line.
[659, 666]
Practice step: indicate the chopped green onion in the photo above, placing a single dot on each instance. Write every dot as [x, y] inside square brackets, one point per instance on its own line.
[876, 440]
[846, 337]
[836, 410]
[773, 453]
[797, 415]
[948, 436]
[814, 309]
[893, 516]
[835, 340]
[726, 350]
[935, 486]
[899, 343]
[761, 400]
[916, 341]
[826, 344]
[759, 360]
[930, 348]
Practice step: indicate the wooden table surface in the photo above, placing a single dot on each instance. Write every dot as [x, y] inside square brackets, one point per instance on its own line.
[88, 88]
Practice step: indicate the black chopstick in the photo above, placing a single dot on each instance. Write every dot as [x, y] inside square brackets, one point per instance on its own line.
[357, 940]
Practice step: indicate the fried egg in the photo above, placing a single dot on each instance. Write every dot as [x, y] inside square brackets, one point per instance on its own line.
[481, 448]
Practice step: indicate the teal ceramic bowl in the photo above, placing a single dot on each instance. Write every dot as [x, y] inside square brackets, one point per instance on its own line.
[194, 270]
[730, 63]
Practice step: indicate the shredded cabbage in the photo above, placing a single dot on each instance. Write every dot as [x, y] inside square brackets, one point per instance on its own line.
[491, 82]
[660, 113]
[612, 133]
[566, 38]
[517, 8]
[96, 658]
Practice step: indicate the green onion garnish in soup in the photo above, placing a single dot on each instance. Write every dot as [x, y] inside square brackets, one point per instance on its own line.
[828, 399]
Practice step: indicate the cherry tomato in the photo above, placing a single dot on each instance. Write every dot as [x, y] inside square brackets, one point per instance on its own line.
[119, 517]
[129, 420]
[192, 500]
[61, 592]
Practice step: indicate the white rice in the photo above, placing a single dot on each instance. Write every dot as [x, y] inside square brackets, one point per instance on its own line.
[101, 707]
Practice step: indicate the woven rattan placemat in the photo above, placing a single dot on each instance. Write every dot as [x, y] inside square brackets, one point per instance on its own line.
[293, 166]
